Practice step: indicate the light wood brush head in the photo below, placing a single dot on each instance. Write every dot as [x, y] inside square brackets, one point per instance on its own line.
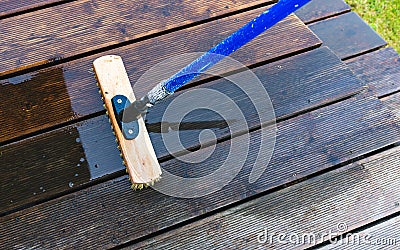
[138, 154]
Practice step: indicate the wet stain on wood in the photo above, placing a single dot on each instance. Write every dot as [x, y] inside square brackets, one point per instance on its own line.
[29, 101]
[339, 84]
[78, 83]
[82, 155]
[55, 162]
[152, 210]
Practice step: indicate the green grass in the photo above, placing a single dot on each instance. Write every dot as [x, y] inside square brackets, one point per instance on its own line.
[383, 16]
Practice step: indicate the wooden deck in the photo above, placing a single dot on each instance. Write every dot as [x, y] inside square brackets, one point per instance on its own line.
[333, 82]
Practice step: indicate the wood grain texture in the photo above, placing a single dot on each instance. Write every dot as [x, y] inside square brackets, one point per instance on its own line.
[74, 28]
[305, 144]
[295, 85]
[393, 103]
[347, 35]
[70, 88]
[352, 196]
[57, 162]
[384, 235]
[379, 69]
[8, 7]
[138, 153]
[320, 9]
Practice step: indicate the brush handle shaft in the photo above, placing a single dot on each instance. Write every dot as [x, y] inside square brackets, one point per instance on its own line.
[242, 36]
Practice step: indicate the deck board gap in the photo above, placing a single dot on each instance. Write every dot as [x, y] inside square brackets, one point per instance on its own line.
[364, 52]
[27, 9]
[52, 128]
[187, 86]
[121, 173]
[327, 17]
[356, 230]
[257, 196]
[58, 61]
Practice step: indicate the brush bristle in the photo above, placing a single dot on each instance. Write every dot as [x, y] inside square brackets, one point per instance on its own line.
[140, 186]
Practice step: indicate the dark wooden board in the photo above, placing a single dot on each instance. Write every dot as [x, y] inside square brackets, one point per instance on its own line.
[393, 103]
[347, 35]
[320, 9]
[9, 7]
[352, 196]
[295, 85]
[111, 213]
[55, 95]
[384, 235]
[42, 166]
[379, 69]
[76, 28]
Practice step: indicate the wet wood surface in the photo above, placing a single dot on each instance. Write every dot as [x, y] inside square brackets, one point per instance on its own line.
[305, 144]
[62, 93]
[347, 35]
[321, 9]
[379, 69]
[348, 197]
[63, 183]
[324, 79]
[80, 27]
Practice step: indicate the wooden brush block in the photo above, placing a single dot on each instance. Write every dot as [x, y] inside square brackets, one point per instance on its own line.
[138, 154]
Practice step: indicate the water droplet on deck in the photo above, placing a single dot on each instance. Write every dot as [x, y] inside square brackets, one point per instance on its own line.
[78, 140]
[76, 175]
[41, 188]
[34, 193]
[114, 240]
[78, 165]
[96, 166]
[70, 184]
[82, 160]
[28, 106]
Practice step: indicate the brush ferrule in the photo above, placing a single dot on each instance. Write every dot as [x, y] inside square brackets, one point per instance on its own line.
[135, 110]
[139, 107]
[158, 93]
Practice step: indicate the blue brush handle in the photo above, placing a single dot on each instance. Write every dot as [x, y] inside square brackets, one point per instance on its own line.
[255, 27]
